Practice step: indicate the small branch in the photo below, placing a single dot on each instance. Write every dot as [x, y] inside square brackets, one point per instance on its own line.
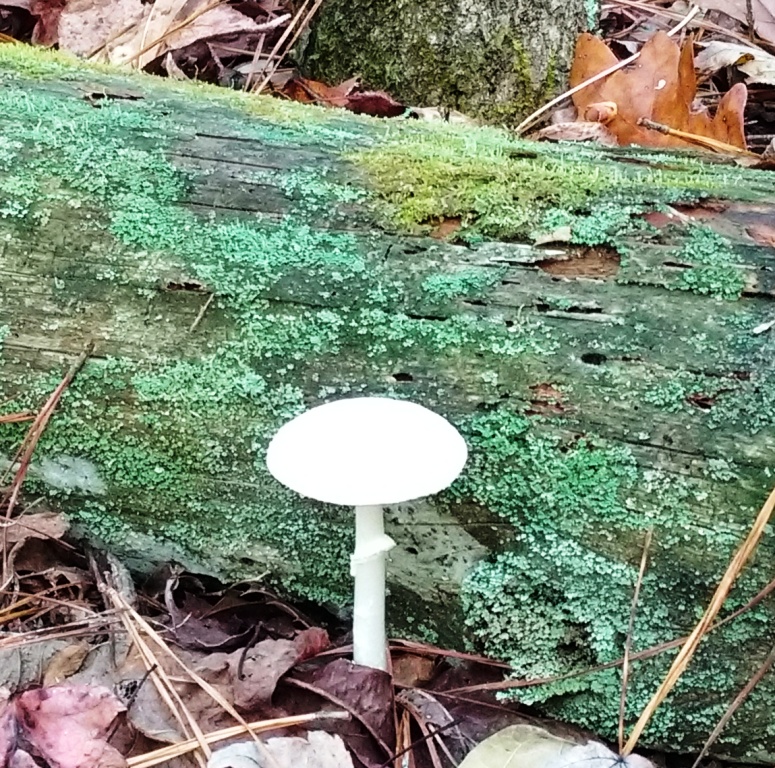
[23, 456]
[198, 318]
[681, 661]
[693, 138]
[735, 705]
[628, 643]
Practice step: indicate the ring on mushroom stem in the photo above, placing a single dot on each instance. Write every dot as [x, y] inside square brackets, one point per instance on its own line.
[368, 453]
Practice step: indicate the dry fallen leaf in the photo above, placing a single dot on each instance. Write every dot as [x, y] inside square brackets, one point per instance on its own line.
[659, 87]
[39, 525]
[317, 750]
[7, 728]
[129, 31]
[346, 94]
[65, 663]
[763, 12]
[66, 725]
[756, 64]
[527, 746]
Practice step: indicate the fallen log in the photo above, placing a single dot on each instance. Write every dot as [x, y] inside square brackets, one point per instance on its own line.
[598, 324]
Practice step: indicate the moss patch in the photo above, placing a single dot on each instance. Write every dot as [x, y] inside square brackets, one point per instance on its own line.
[490, 59]
[505, 188]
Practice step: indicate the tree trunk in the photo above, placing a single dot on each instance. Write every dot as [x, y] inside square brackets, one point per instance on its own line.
[493, 59]
[236, 260]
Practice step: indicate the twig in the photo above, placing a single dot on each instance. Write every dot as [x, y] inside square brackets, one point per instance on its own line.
[687, 651]
[693, 138]
[14, 418]
[628, 643]
[24, 454]
[297, 34]
[531, 119]
[198, 318]
[750, 20]
[254, 63]
[735, 705]
[158, 756]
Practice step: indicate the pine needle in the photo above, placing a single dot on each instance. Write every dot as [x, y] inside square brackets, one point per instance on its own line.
[702, 141]
[162, 755]
[23, 456]
[117, 600]
[163, 685]
[736, 704]
[689, 648]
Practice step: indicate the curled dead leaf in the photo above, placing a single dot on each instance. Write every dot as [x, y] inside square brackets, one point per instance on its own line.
[604, 112]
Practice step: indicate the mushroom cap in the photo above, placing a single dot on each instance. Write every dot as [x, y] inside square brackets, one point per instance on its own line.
[366, 451]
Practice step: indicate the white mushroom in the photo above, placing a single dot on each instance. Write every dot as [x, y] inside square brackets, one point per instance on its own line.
[367, 452]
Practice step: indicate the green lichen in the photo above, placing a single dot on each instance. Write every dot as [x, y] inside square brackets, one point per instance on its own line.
[592, 8]
[195, 422]
[608, 223]
[716, 266]
[466, 283]
[558, 601]
[541, 608]
[537, 481]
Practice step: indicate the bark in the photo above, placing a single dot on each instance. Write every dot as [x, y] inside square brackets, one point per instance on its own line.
[495, 59]
[237, 260]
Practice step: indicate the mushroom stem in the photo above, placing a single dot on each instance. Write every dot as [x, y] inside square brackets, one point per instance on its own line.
[367, 566]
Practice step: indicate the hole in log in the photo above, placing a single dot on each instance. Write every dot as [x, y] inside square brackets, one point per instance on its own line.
[185, 285]
[676, 265]
[593, 358]
[584, 262]
[95, 98]
[701, 401]
[402, 376]
[573, 309]
[444, 229]
[475, 303]
[413, 550]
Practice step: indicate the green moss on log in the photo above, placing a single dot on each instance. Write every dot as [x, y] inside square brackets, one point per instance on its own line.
[492, 59]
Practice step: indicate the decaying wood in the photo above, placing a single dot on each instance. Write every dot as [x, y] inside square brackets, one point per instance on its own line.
[603, 389]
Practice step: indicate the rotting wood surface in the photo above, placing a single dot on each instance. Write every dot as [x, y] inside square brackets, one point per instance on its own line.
[603, 389]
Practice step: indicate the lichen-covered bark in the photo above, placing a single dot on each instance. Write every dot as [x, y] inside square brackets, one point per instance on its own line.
[237, 260]
[495, 59]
